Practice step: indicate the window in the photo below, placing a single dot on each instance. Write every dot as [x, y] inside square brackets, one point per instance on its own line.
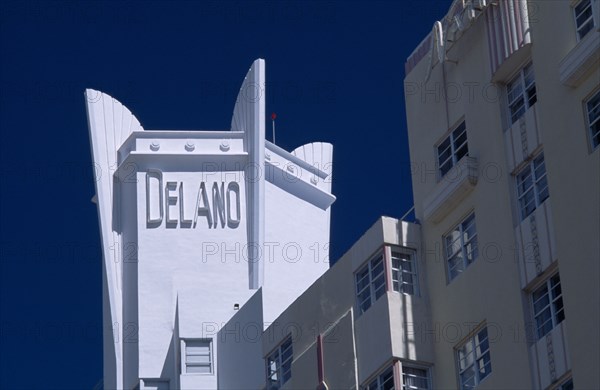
[154, 384]
[474, 360]
[197, 356]
[584, 18]
[414, 378]
[279, 365]
[521, 93]
[370, 283]
[593, 119]
[404, 273]
[548, 306]
[461, 246]
[452, 149]
[384, 381]
[532, 186]
[566, 385]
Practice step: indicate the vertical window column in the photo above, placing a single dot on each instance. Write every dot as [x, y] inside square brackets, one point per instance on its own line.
[474, 361]
[592, 107]
[279, 365]
[453, 148]
[404, 272]
[584, 18]
[547, 303]
[521, 93]
[370, 282]
[461, 246]
[532, 186]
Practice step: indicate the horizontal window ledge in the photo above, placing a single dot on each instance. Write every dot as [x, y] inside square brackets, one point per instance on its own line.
[583, 59]
[506, 69]
[456, 184]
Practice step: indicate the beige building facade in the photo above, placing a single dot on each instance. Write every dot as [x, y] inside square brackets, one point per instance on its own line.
[496, 285]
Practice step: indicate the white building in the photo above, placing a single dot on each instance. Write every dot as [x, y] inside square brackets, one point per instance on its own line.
[195, 225]
[503, 112]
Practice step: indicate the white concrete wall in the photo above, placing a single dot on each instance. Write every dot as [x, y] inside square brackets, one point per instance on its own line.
[240, 348]
[299, 253]
[177, 263]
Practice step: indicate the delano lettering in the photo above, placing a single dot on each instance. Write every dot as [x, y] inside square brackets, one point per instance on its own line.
[216, 203]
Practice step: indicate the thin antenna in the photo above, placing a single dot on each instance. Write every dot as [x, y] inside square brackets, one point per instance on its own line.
[273, 117]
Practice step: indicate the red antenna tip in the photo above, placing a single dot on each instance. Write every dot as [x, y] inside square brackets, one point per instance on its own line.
[273, 116]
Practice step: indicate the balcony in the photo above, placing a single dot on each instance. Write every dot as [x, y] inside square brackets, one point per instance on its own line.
[581, 60]
[451, 189]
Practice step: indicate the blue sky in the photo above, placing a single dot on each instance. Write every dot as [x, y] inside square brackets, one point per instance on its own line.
[334, 73]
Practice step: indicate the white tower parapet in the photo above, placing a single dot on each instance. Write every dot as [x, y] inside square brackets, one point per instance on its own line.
[193, 225]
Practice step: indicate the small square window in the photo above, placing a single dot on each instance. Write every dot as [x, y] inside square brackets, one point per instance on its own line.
[474, 360]
[414, 378]
[383, 381]
[197, 356]
[592, 108]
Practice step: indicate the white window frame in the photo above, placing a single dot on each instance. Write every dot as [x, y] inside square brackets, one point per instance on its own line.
[427, 377]
[459, 246]
[405, 270]
[555, 305]
[536, 192]
[590, 22]
[593, 121]
[378, 382]
[526, 91]
[478, 346]
[453, 148]
[276, 362]
[184, 355]
[366, 281]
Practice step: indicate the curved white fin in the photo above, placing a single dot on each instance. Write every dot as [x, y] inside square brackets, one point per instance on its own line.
[110, 123]
[249, 117]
